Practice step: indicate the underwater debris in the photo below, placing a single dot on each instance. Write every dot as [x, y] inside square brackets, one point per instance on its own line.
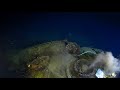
[59, 59]
[73, 48]
[101, 74]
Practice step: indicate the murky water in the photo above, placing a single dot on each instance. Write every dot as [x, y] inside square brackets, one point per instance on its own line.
[20, 30]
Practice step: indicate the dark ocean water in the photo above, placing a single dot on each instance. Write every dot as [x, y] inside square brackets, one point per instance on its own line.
[20, 30]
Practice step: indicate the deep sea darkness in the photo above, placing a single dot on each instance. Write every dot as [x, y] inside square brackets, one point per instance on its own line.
[20, 30]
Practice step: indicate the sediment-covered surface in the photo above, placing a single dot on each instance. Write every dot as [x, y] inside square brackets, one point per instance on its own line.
[56, 59]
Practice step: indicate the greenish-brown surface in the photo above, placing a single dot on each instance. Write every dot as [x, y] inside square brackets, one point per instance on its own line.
[54, 59]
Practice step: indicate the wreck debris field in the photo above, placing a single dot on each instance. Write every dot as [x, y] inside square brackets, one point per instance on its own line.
[59, 45]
